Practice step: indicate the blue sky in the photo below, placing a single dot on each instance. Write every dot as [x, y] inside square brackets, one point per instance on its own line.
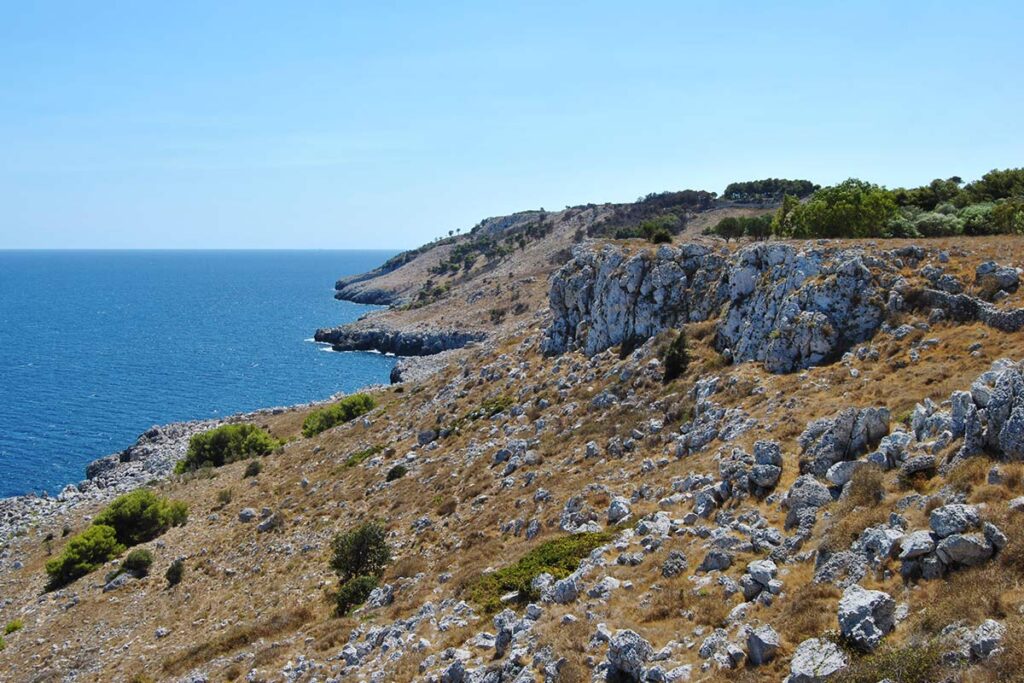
[385, 124]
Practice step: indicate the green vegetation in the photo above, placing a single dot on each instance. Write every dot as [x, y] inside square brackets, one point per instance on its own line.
[769, 190]
[361, 551]
[353, 593]
[141, 516]
[677, 357]
[175, 572]
[358, 558]
[853, 208]
[130, 519]
[82, 554]
[654, 217]
[492, 406]
[359, 457]
[13, 626]
[253, 469]
[734, 227]
[338, 413]
[558, 557]
[138, 562]
[226, 444]
[396, 472]
[912, 663]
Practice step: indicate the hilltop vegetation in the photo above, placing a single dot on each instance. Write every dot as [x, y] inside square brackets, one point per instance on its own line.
[992, 205]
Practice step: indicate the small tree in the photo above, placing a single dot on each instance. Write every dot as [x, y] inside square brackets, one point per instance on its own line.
[353, 593]
[175, 572]
[83, 553]
[362, 551]
[141, 516]
[138, 562]
[677, 357]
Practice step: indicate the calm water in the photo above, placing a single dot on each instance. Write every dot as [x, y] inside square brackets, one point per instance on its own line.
[95, 347]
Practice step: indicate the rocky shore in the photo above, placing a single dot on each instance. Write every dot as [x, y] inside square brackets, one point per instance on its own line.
[397, 342]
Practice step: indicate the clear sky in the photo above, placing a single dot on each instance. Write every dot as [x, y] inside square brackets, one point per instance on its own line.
[384, 124]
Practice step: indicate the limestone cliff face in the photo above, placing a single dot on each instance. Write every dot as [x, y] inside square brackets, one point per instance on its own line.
[786, 307]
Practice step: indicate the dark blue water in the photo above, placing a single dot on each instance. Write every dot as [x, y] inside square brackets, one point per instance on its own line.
[96, 347]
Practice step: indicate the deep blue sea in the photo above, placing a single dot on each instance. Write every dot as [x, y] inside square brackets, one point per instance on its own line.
[97, 346]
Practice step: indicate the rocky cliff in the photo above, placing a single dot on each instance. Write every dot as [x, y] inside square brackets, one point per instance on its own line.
[785, 306]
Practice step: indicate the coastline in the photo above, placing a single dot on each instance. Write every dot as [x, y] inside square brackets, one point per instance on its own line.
[150, 459]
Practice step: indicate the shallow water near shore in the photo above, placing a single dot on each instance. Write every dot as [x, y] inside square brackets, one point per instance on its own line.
[97, 346]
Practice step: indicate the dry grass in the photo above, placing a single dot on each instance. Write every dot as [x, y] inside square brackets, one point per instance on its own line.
[860, 509]
[808, 612]
[972, 595]
[235, 638]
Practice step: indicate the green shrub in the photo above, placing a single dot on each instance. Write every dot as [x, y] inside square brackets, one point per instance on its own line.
[141, 516]
[13, 626]
[853, 208]
[3, 643]
[338, 413]
[493, 406]
[175, 572]
[353, 593]
[254, 467]
[1008, 217]
[914, 663]
[362, 456]
[138, 562]
[361, 551]
[396, 472]
[558, 557]
[225, 444]
[82, 554]
[677, 357]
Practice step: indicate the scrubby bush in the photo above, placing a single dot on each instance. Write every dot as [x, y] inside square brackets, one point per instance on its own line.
[363, 551]
[558, 557]
[254, 467]
[1008, 217]
[225, 444]
[82, 554]
[13, 626]
[353, 593]
[362, 455]
[853, 208]
[141, 516]
[977, 218]
[138, 562]
[734, 227]
[768, 190]
[938, 224]
[338, 413]
[396, 472]
[911, 663]
[677, 357]
[175, 572]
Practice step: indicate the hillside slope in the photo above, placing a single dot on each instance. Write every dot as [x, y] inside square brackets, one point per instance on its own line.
[832, 483]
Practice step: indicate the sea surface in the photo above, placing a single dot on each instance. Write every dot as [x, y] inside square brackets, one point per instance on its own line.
[97, 346]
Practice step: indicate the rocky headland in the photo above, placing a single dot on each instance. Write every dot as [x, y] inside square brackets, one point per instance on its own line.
[823, 481]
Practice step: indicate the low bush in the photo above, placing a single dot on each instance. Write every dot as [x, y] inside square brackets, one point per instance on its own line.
[138, 562]
[362, 456]
[911, 663]
[363, 551]
[13, 626]
[225, 444]
[396, 472]
[677, 357]
[224, 497]
[353, 593]
[82, 554]
[141, 516]
[175, 572]
[254, 467]
[558, 557]
[348, 408]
